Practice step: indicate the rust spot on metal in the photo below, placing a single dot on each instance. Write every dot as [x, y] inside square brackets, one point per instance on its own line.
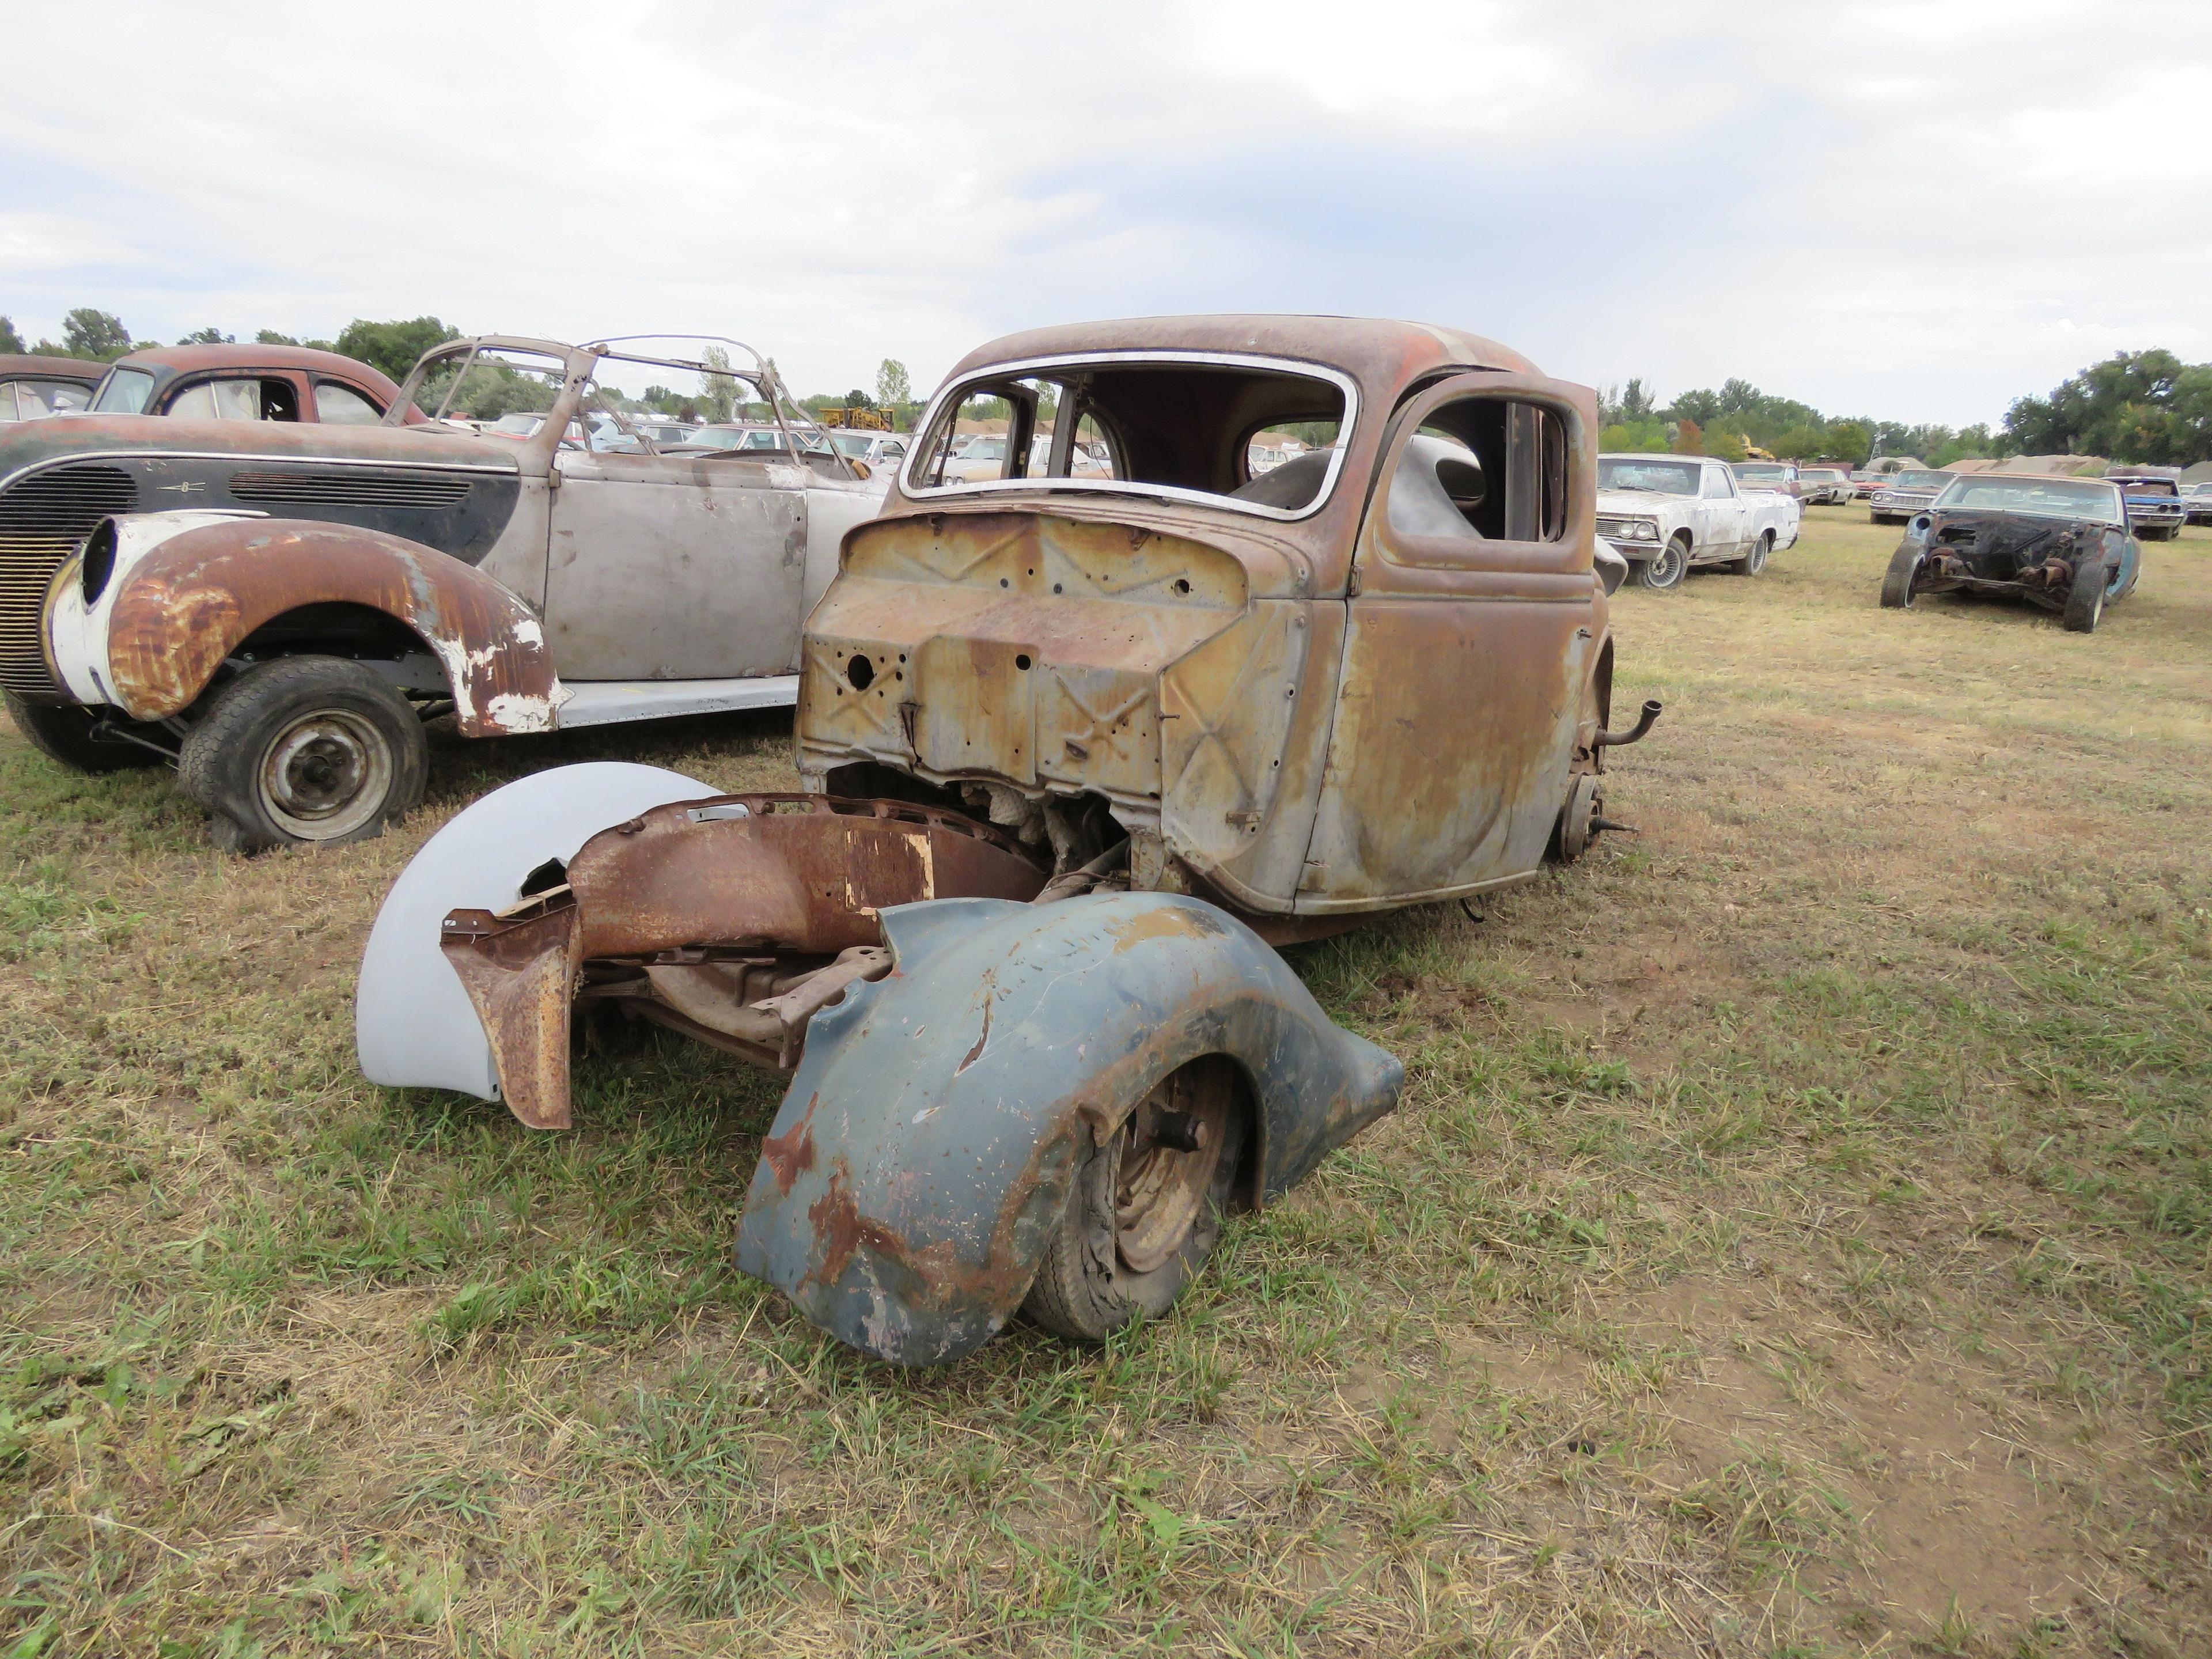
[184, 608]
[792, 1155]
[1176, 923]
[981, 1041]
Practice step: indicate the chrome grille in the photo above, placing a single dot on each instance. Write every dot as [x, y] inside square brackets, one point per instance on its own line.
[42, 519]
[349, 489]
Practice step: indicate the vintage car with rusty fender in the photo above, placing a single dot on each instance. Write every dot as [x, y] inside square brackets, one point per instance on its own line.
[277, 607]
[1078, 748]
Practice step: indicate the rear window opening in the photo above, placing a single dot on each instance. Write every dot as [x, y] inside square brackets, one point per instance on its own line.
[1250, 434]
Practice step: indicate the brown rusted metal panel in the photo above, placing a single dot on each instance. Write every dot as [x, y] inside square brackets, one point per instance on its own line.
[520, 975]
[186, 607]
[786, 880]
[793, 872]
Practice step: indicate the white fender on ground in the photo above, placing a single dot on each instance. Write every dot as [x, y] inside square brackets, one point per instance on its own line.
[413, 1025]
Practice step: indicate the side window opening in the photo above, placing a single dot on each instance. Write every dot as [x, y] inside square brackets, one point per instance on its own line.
[1482, 469]
[340, 406]
[236, 400]
[1716, 483]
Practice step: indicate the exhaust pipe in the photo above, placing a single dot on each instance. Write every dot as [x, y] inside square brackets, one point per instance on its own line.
[1635, 733]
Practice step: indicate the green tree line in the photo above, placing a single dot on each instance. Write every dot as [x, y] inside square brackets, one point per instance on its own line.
[2139, 407]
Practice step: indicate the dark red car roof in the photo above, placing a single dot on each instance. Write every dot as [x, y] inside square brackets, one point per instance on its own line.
[187, 359]
[17, 366]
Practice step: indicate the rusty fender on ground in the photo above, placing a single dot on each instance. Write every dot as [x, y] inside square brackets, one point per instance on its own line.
[649, 903]
[187, 605]
[923, 1150]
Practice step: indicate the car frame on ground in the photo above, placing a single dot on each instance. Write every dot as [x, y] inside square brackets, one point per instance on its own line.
[277, 609]
[1905, 492]
[2063, 545]
[1669, 514]
[33, 388]
[2156, 511]
[1076, 750]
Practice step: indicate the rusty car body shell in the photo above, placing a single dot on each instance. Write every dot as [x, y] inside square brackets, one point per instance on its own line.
[1291, 716]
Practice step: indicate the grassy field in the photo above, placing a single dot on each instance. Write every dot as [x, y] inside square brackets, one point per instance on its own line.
[1796, 1238]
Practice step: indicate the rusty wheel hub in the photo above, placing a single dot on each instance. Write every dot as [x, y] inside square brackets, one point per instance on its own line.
[325, 776]
[1170, 1147]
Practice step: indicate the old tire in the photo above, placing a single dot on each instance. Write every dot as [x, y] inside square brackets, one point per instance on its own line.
[64, 733]
[1755, 561]
[1897, 581]
[1665, 568]
[1141, 1215]
[2085, 601]
[304, 749]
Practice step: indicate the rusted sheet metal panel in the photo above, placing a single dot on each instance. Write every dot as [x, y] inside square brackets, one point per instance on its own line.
[1455, 731]
[924, 1147]
[1016, 645]
[793, 872]
[1226, 714]
[519, 977]
[773, 873]
[187, 605]
[30, 443]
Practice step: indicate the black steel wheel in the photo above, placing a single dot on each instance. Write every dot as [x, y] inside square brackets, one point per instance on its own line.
[1143, 1210]
[1897, 582]
[1666, 567]
[76, 737]
[304, 749]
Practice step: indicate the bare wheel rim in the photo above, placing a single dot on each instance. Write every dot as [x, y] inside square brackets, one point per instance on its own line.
[325, 774]
[1170, 1149]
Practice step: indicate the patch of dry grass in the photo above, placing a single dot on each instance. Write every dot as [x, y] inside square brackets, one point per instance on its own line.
[1794, 1239]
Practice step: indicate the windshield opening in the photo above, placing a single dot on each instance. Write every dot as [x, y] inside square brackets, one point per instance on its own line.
[2062, 497]
[1230, 430]
[1655, 477]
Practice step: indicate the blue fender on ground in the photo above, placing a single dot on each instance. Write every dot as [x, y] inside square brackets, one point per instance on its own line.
[906, 1190]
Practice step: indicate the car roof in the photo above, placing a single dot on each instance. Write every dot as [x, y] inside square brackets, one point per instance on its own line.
[1381, 356]
[15, 366]
[2039, 477]
[188, 359]
[1646, 455]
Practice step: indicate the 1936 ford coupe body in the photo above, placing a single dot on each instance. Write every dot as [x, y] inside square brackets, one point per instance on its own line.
[1078, 748]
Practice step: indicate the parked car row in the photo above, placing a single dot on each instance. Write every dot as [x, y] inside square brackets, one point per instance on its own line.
[276, 604]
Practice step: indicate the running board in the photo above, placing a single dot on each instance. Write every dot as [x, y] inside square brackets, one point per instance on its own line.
[604, 703]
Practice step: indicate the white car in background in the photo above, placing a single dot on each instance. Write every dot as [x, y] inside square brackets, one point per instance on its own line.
[1666, 514]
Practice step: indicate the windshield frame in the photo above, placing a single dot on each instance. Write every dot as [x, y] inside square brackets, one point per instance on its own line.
[114, 377]
[952, 393]
[1694, 465]
[1970, 480]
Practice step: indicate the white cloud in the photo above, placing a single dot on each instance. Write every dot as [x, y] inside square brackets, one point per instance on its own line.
[1883, 207]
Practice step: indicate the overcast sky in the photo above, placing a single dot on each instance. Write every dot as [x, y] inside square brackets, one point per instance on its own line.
[1917, 211]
